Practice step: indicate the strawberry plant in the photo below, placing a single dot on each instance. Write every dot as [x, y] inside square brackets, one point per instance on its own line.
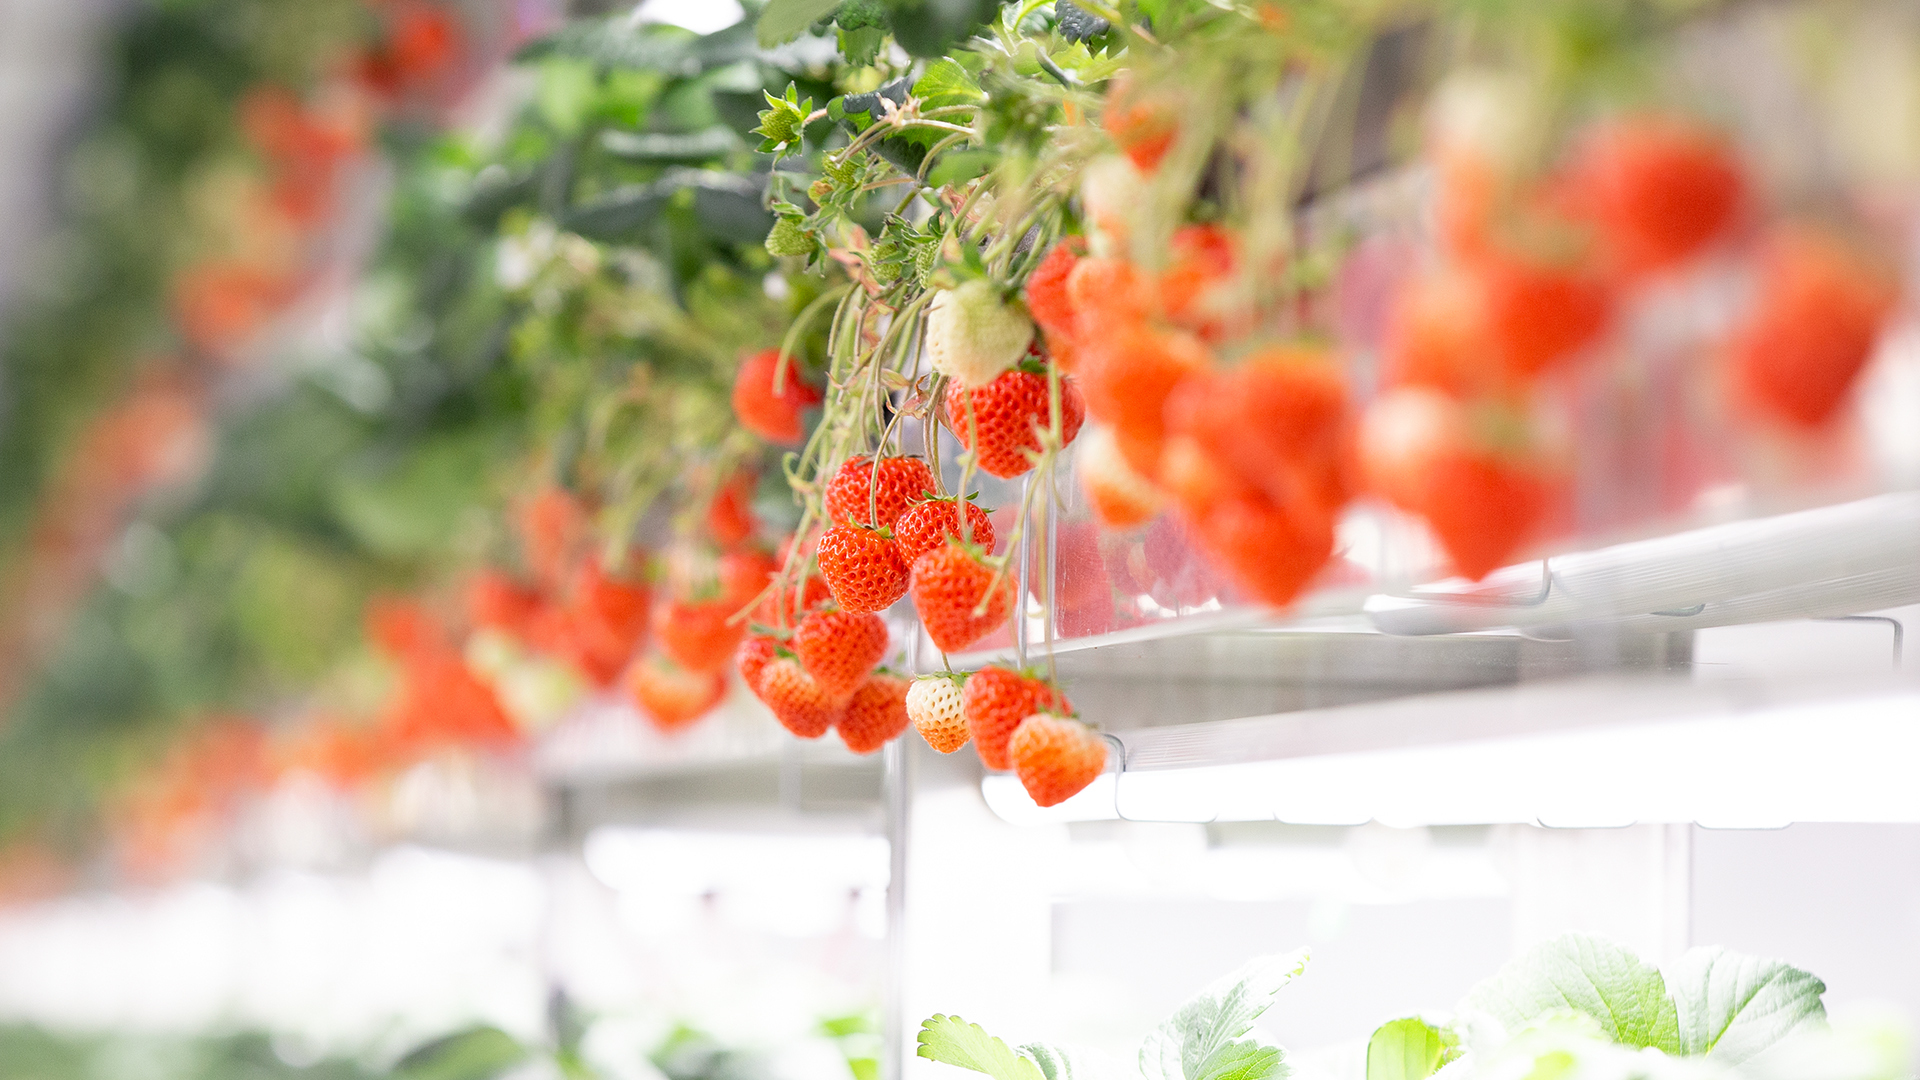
[1575, 1005]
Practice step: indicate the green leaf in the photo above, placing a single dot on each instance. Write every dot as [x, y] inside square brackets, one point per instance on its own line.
[862, 47]
[1732, 1006]
[1202, 1040]
[959, 166]
[952, 1040]
[654, 146]
[1625, 994]
[784, 20]
[618, 42]
[1408, 1049]
[479, 1053]
[1054, 1062]
[947, 83]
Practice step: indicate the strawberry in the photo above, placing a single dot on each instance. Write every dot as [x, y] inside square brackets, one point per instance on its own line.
[793, 602]
[1121, 498]
[1047, 296]
[696, 634]
[1420, 452]
[1056, 757]
[797, 701]
[1001, 420]
[730, 520]
[1821, 306]
[670, 696]
[1657, 190]
[1203, 257]
[1142, 129]
[950, 586]
[1101, 292]
[875, 714]
[769, 411]
[497, 602]
[933, 703]
[1269, 552]
[973, 333]
[865, 494]
[994, 702]
[744, 575]
[929, 524]
[1127, 376]
[752, 658]
[609, 620]
[839, 648]
[1279, 420]
[1490, 326]
[862, 567]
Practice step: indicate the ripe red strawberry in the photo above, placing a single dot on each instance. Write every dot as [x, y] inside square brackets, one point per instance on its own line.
[1279, 421]
[1657, 190]
[769, 411]
[875, 714]
[752, 658]
[995, 700]
[1821, 306]
[840, 648]
[1269, 552]
[730, 520]
[744, 575]
[696, 634]
[1203, 256]
[793, 603]
[1127, 374]
[1490, 326]
[863, 494]
[1007, 415]
[609, 619]
[1121, 498]
[1142, 128]
[670, 696]
[862, 567]
[929, 524]
[1482, 501]
[498, 602]
[1047, 296]
[1103, 292]
[1056, 757]
[933, 704]
[800, 704]
[950, 584]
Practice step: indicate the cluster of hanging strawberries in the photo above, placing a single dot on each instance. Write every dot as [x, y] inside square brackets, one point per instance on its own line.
[1259, 454]
[1533, 276]
[891, 535]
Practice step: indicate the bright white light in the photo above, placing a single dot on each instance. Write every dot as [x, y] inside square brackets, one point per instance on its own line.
[790, 885]
[699, 16]
[1836, 761]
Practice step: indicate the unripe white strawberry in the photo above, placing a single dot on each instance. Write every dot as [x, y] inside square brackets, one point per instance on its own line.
[933, 704]
[974, 335]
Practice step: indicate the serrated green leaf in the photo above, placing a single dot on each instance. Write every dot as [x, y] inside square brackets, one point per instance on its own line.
[1408, 1049]
[1626, 995]
[953, 1041]
[947, 83]
[784, 20]
[1202, 1041]
[1731, 1006]
[1054, 1062]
